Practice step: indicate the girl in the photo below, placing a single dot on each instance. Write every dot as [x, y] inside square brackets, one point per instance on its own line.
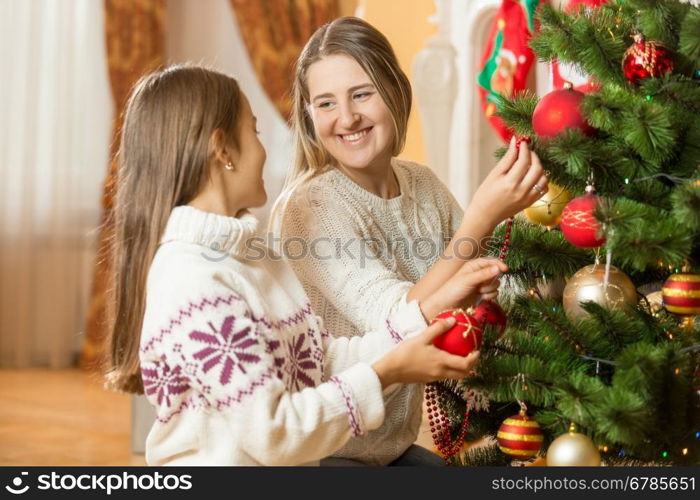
[351, 108]
[220, 337]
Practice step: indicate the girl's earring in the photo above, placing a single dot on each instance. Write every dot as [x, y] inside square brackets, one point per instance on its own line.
[229, 166]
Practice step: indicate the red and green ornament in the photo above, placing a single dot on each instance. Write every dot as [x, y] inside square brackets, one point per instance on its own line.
[507, 58]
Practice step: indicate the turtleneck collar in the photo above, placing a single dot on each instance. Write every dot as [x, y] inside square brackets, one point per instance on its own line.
[219, 233]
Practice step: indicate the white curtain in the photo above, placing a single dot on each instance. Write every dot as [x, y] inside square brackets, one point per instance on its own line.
[55, 118]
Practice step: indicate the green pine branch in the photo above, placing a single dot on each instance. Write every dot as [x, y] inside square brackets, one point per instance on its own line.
[626, 377]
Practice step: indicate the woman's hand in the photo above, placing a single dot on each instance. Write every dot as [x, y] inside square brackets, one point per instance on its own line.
[516, 182]
[476, 277]
[417, 360]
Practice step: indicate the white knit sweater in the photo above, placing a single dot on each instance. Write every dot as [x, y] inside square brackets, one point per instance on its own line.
[363, 253]
[240, 370]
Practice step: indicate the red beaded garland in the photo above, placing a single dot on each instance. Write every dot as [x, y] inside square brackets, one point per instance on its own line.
[439, 426]
[437, 419]
[506, 240]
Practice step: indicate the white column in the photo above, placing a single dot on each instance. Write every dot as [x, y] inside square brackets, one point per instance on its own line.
[435, 85]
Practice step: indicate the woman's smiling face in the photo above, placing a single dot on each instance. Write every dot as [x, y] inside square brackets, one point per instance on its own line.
[350, 118]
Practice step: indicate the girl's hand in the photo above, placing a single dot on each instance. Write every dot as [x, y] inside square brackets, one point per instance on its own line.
[516, 182]
[417, 360]
[476, 277]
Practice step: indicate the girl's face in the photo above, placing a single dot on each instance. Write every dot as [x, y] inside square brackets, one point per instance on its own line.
[350, 118]
[246, 184]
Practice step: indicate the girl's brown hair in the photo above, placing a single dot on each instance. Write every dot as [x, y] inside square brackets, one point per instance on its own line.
[370, 48]
[166, 145]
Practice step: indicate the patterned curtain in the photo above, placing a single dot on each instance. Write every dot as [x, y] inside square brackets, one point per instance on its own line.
[134, 31]
[275, 32]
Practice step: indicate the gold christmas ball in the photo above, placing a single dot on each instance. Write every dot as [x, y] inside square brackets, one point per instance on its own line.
[587, 285]
[548, 209]
[573, 450]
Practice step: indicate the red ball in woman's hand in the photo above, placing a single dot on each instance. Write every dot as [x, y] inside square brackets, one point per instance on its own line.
[462, 338]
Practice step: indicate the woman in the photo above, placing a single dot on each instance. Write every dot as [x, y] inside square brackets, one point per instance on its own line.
[389, 218]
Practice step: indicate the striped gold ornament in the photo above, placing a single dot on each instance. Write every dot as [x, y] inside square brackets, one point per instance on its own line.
[681, 294]
[520, 436]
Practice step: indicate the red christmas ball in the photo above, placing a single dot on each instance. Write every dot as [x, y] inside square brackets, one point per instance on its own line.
[681, 294]
[520, 436]
[558, 111]
[489, 312]
[579, 225]
[464, 337]
[646, 59]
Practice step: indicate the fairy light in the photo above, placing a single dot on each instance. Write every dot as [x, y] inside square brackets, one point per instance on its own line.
[532, 292]
[677, 371]
[685, 452]
[665, 454]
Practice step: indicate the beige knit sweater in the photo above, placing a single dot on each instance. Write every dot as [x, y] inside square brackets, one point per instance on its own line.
[357, 255]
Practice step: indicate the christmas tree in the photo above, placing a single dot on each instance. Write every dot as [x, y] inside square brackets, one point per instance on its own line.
[617, 353]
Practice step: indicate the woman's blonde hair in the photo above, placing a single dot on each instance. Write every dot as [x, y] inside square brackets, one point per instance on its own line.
[166, 145]
[358, 39]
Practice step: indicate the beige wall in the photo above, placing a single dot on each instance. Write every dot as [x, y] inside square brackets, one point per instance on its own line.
[405, 24]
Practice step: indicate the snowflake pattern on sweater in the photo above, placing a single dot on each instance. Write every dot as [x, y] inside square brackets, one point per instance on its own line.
[225, 349]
